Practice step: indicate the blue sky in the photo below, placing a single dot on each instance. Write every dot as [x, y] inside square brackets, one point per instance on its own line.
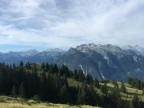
[43, 24]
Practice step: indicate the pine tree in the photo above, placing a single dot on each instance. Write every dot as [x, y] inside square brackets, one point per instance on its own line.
[13, 91]
[136, 101]
[3, 82]
[81, 75]
[47, 66]
[130, 105]
[96, 83]
[115, 96]
[104, 89]
[14, 66]
[55, 68]
[129, 81]
[123, 88]
[64, 95]
[21, 64]
[75, 75]
[89, 78]
[43, 66]
[64, 70]
[91, 96]
[115, 84]
[81, 94]
[138, 84]
[22, 91]
[34, 67]
[28, 66]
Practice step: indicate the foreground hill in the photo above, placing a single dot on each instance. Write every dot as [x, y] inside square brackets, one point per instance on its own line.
[10, 102]
[48, 83]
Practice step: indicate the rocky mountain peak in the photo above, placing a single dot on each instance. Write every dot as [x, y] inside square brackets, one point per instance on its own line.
[54, 50]
[137, 49]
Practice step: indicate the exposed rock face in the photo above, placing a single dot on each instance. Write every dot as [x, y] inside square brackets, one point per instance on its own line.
[105, 61]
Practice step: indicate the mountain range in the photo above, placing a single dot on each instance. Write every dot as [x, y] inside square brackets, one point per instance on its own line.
[101, 61]
[32, 56]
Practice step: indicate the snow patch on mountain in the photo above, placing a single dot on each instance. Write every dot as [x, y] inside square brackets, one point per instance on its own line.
[82, 69]
[31, 52]
[86, 47]
[135, 58]
[100, 71]
[54, 50]
[102, 75]
[137, 49]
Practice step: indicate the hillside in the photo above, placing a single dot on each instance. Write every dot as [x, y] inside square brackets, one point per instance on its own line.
[127, 97]
[85, 76]
[53, 84]
[10, 102]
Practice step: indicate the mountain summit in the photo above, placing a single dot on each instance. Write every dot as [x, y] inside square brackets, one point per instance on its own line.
[105, 61]
[139, 50]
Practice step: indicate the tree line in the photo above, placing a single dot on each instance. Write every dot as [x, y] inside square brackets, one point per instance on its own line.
[134, 82]
[48, 82]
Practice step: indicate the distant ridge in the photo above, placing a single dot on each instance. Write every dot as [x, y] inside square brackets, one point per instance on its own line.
[33, 56]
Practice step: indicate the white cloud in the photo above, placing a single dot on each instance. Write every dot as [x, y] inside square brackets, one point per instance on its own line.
[65, 23]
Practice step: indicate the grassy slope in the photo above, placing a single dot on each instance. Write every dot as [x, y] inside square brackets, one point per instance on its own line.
[9, 102]
[125, 96]
[130, 92]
